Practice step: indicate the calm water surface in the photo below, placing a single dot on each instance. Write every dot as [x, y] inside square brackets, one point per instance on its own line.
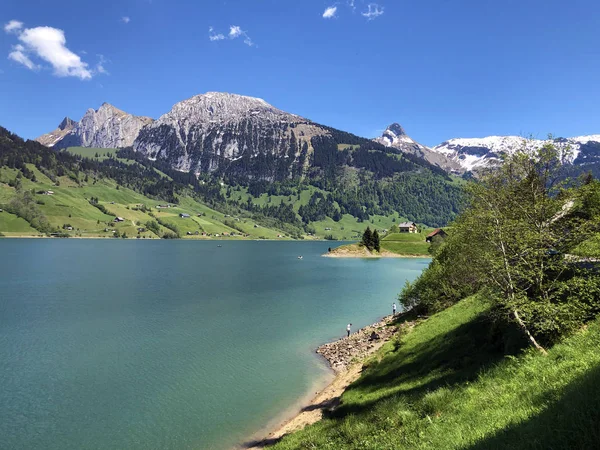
[170, 345]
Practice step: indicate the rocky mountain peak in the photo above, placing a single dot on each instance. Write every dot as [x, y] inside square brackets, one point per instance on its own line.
[395, 136]
[223, 107]
[64, 129]
[396, 129]
[67, 124]
[106, 127]
[218, 130]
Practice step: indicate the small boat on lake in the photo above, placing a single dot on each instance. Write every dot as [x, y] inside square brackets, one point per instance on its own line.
[299, 257]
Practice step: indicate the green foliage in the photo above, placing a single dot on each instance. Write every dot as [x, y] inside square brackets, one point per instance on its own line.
[452, 383]
[514, 242]
[367, 239]
[23, 205]
[170, 226]
[152, 225]
[375, 240]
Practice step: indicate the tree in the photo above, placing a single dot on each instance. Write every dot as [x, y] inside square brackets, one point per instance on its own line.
[367, 239]
[375, 240]
[515, 242]
[524, 222]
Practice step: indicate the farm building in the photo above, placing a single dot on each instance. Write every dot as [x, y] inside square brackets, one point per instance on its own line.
[119, 219]
[184, 216]
[407, 227]
[437, 232]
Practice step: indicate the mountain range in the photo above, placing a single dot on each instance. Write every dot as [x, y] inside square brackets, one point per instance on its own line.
[247, 136]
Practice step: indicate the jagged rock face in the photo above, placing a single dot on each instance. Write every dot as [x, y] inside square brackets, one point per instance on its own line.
[107, 127]
[478, 153]
[233, 133]
[65, 127]
[395, 136]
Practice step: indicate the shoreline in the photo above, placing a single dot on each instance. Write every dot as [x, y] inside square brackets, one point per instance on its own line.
[382, 255]
[108, 238]
[358, 251]
[345, 358]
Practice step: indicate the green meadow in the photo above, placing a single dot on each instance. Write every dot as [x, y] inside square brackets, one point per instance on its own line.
[69, 206]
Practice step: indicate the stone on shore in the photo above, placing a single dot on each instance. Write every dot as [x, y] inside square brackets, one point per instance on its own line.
[342, 353]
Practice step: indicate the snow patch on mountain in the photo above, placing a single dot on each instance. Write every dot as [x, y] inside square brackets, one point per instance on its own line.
[395, 136]
[476, 153]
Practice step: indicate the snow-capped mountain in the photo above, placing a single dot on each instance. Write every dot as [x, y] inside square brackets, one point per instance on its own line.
[477, 153]
[395, 136]
[107, 127]
[217, 130]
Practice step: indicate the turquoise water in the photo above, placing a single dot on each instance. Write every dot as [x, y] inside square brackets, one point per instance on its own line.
[170, 345]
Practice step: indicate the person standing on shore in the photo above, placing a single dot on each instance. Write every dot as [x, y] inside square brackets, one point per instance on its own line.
[349, 328]
[394, 308]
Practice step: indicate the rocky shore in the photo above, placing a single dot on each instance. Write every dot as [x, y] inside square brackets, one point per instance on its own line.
[343, 353]
[345, 357]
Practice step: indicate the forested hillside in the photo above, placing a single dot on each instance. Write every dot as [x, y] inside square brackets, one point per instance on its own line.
[336, 201]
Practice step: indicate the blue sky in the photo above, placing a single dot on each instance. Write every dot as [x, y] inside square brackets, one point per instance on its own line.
[441, 68]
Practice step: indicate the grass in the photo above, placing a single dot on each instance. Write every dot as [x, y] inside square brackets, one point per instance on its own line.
[406, 243]
[11, 225]
[589, 248]
[69, 205]
[450, 384]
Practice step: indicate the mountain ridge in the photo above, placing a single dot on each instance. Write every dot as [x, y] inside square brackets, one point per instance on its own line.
[105, 127]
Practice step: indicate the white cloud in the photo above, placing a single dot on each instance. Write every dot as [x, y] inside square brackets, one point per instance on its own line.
[14, 26]
[330, 12]
[235, 32]
[214, 36]
[352, 5]
[18, 55]
[47, 44]
[125, 19]
[373, 12]
[100, 65]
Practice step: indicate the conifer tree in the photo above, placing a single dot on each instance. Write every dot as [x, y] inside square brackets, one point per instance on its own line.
[367, 239]
[375, 240]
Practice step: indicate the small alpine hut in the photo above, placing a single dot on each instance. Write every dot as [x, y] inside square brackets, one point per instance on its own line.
[407, 227]
[437, 232]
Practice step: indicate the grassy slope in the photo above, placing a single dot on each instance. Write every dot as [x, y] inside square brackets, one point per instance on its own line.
[346, 229]
[408, 244]
[448, 386]
[69, 205]
[11, 225]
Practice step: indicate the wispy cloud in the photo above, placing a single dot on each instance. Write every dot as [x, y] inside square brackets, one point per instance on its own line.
[100, 65]
[329, 13]
[373, 12]
[125, 19]
[14, 26]
[47, 44]
[235, 31]
[19, 55]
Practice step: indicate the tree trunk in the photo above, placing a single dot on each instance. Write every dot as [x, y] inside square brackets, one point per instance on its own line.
[529, 335]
